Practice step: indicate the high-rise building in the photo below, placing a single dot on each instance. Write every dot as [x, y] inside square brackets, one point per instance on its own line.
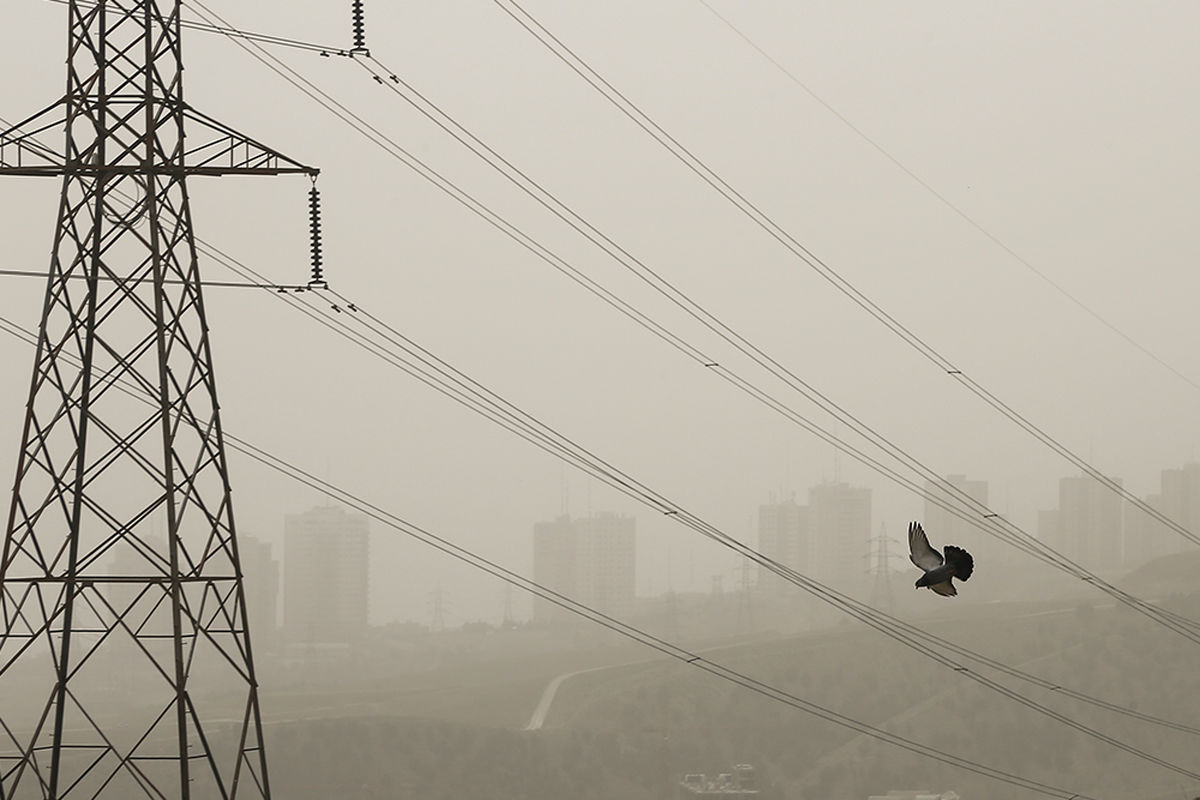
[1178, 500]
[608, 576]
[943, 526]
[782, 537]
[591, 560]
[555, 562]
[324, 576]
[1089, 525]
[839, 524]
[261, 582]
[1181, 503]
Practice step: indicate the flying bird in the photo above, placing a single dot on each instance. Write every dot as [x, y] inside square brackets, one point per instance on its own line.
[939, 572]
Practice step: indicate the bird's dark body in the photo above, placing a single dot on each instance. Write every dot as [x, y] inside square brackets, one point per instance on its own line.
[935, 576]
[939, 570]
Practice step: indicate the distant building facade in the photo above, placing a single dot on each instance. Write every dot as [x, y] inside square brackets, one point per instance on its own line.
[782, 537]
[1088, 525]
[839, 520]
[1178, 499]
[325, 576]
[592, 560]
[261, 586]
[829, 539]
[943, 526]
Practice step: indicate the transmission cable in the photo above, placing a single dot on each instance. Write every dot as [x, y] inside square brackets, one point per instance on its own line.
[888, 625]
[280, 41]
[945, 201]
[768, 224]
[535, 190]
[820, 590]
[454, 191]
[481, 400]
[671, 292]
[32, 273]
[1004, 530]
[627, 487]
[657, 643]
[1027, 543]
[669, 511]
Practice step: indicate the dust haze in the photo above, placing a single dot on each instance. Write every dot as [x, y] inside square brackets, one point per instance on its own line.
[1014, 185]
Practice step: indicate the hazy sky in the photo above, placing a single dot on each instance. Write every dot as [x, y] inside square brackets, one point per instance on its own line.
[1065, 129]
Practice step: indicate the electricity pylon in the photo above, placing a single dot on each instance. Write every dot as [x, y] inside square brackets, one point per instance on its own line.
[125, 661]
[881, 587]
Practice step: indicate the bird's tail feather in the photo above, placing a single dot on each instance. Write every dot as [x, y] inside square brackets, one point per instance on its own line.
[961, 560]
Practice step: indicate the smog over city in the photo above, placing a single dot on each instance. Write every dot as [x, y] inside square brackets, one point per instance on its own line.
[577, 401]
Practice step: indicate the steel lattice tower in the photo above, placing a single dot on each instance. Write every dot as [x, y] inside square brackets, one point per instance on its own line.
[125, 663]
[881, 587]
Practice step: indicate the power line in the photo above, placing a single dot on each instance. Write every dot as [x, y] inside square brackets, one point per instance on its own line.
[657, 643]
[945, 201]
[1018, 539]
[265, 38]
[694, 660]
[665, 506]
[661, 645]
[563, 448]
[451, 382]
[558, 452]
[522, 423]
[278, 287]
[1014, 536]
[529, 428]
[988, 522]
[764, 221]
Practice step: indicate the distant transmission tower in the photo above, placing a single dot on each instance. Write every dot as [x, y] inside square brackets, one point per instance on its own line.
[881, 587]
[125, 659]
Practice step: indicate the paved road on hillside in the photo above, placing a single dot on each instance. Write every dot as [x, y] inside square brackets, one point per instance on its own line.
[543, 706]
[542, 710]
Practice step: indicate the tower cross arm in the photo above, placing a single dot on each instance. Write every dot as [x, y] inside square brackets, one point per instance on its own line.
[223, 151]
[21, 153]
[210, 148]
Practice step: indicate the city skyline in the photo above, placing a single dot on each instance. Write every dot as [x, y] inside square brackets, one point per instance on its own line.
[602, 296]
[616, 389]
[783, 530]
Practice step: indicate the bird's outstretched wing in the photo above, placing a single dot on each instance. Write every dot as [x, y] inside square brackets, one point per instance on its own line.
[919, 550]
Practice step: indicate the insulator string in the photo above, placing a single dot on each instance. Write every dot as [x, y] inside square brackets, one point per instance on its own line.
[314, 229]
[360, 30]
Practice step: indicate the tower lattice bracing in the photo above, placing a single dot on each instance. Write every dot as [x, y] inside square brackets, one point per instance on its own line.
[125, 660]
